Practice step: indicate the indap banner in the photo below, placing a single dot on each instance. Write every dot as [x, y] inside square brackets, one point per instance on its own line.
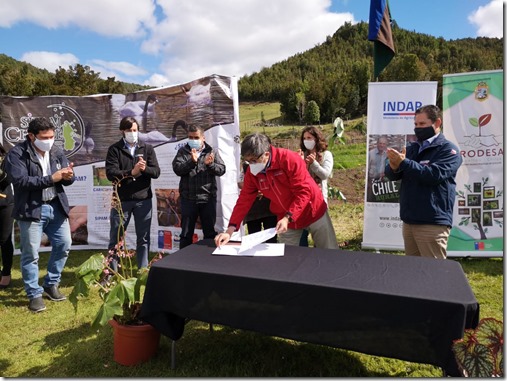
[391, 110]
[473, 108]
[86, 126]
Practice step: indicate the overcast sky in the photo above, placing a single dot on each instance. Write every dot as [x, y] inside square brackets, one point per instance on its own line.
[167, 42]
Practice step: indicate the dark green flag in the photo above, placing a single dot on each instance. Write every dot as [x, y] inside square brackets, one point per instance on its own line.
[381, 34]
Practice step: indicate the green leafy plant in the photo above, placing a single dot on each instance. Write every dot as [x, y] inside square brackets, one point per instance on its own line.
[120, 287]
[335, 194]
[480, 352]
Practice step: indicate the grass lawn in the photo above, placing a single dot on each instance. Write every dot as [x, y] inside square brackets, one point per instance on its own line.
[58, 343]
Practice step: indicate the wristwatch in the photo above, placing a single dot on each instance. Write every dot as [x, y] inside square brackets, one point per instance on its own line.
[289, 216]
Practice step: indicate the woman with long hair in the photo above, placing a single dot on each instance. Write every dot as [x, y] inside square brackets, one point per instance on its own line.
[319, 161]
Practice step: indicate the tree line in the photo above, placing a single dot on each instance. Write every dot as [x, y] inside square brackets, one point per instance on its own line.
[22, 79]
[315, 86]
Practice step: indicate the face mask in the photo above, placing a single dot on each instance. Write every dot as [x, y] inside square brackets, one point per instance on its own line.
[44, 145]
[131, 137]
[256, 168]
[309, 144]
[194, 144]
[424, 133]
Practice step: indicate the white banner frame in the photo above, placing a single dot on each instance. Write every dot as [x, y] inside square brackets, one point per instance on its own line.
[391, 110]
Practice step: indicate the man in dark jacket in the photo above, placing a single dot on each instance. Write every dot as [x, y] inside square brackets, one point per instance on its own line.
[131, 164]
[427, 169]
[198, 164]
[6, 222]
[39, 170]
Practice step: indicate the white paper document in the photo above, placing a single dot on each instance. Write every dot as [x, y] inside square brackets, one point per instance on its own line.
[250, 240]
[253, 245]
[260, 250]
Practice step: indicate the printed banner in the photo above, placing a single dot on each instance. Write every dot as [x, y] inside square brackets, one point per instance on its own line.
[391, 110]
[86, 126]
[473, 109]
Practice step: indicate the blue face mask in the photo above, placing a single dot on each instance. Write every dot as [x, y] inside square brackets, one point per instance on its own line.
[196, 144]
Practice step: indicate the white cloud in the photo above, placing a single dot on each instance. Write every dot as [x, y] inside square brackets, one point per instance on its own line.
[50, 60]
[198, 38]
[489, 19]
[115, 18]
[125, 68]
[190, 38]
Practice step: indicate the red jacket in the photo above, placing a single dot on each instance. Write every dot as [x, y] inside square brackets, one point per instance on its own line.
[289, 186]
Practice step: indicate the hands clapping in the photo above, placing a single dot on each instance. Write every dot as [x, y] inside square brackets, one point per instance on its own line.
[395, 157]
[63, 174]
[209, 159]
[310, 158]
[139, 167]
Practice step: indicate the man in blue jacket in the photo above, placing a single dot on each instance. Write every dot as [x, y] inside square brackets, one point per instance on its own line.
[427, 169]
[39, 170]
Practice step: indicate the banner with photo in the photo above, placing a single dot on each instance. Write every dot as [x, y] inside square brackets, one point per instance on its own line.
[390, 121]
[86, 126]
[473, 113]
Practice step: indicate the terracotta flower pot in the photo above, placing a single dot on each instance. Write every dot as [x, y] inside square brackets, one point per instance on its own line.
[134, 344]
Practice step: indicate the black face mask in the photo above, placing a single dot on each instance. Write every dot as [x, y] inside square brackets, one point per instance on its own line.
[423, 133]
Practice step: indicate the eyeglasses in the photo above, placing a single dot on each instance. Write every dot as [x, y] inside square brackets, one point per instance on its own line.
[253, 161]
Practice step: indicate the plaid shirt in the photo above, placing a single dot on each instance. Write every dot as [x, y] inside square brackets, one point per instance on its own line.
[198, 180]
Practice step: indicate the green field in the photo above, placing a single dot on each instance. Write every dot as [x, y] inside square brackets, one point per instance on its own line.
[59, 343]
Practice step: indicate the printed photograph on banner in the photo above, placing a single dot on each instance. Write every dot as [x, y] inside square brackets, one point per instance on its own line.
[168, 207]
[99, 176]
[379, 187]
[78, 221]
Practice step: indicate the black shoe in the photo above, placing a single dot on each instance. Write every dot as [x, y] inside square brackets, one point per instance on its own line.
[5, 282]
[54, 294]
[36, 304]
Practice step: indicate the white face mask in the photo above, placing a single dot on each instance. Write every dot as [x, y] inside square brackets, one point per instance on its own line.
[131, 137]
[256, 168]
[44, 145]
[309, 144]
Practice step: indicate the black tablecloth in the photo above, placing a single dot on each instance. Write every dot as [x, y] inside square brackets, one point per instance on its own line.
[408, 308]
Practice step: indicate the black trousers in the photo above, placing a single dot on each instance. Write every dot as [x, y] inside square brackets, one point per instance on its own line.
[6, 222]
[190, 211]
[257, 225]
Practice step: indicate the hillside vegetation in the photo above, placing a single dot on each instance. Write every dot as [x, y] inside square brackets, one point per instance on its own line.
[314, 86]
[335, 73]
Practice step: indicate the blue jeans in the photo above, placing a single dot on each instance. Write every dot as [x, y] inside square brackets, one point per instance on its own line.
[55, 224]
[190, 210]
[142, 212]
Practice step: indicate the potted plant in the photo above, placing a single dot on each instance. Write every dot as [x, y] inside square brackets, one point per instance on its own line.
[480, 352]
[121, 289]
